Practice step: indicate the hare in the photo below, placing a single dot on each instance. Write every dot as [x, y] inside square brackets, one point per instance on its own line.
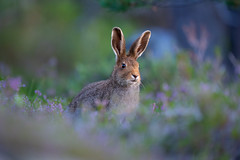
[121, 91]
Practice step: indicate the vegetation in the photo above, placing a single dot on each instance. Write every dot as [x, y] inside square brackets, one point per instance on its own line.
[188, 109]
[123, 5]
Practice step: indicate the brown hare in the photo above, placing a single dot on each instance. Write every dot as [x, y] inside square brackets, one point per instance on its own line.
[121, 91]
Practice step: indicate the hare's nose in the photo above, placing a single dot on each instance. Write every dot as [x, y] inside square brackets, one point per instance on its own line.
[134, 76]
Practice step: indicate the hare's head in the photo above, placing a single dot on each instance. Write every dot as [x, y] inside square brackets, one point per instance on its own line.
[126, 71]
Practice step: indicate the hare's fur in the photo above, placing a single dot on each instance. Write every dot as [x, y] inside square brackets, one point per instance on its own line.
[121, 91]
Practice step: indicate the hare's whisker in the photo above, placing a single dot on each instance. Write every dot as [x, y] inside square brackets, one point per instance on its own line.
[142, 85]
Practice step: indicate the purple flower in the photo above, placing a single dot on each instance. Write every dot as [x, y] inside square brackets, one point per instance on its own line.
[14, 83]
[162, 96]
[183, 89]
[3, 84]
[165, 87]
[205, 87]
[163, 106]
[173, 96]
[38, 92]
[45, 97]
[60, 108]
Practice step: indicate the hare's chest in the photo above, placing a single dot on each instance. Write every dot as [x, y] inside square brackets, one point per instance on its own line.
[124, 101]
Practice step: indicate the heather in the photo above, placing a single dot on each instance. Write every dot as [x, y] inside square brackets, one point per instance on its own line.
[190, 113]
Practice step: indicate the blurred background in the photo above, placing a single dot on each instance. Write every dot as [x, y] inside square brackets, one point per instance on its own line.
[71, 39]
[190, 97]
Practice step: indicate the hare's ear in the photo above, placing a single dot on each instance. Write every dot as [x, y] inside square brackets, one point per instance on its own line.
[139, 46]
[118, 42]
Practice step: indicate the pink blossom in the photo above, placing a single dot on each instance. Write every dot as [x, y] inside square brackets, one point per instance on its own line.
[154, 107]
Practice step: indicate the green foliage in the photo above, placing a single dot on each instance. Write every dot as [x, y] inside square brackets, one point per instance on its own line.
[33, 32]
[233, 3]
[122, 5]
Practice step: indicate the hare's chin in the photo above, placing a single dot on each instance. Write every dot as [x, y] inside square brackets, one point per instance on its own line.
[133, 82]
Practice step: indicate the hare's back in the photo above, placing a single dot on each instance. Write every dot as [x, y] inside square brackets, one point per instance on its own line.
[92, 93]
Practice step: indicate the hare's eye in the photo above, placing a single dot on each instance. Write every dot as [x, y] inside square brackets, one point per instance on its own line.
[123, 65]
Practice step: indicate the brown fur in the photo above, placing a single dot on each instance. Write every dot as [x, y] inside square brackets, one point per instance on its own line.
[121, 90]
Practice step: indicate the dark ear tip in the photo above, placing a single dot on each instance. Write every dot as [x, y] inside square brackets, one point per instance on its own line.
[147, 32]
[116, 29]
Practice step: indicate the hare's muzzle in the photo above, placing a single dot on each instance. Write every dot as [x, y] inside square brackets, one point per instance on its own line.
[134, 77]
